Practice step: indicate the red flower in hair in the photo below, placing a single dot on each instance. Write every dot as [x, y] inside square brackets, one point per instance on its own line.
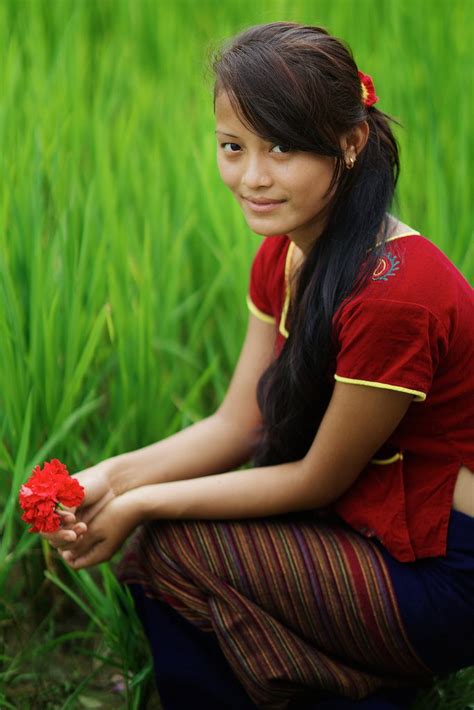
[369, 97]
[43, 491]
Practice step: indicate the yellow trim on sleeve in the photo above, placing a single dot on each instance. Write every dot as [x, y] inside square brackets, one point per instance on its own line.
[257, 312]
[384, 462]
[286, 305]
[419, 396]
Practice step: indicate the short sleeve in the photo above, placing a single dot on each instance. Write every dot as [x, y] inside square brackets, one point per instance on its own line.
[389, 344]
[258, 298]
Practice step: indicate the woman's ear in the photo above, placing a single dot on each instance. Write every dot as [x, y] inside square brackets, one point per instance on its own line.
[353, 142]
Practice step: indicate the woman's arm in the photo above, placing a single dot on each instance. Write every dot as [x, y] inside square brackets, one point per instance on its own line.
[359, 419]
[220, 442]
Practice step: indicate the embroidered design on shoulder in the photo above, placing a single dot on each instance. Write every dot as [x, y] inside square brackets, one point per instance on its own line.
[387, 265]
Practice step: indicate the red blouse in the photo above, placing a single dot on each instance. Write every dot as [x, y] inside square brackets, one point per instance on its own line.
[409, 329]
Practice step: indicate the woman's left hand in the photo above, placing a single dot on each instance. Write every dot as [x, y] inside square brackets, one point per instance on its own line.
[106, 533]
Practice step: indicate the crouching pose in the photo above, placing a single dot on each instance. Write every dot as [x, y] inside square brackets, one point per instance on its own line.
[339, 565]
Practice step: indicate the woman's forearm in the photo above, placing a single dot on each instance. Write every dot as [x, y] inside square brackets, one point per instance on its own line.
[210, 446]
[257, 492]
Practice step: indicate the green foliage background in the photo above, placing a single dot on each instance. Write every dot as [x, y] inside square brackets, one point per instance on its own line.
[124, 262]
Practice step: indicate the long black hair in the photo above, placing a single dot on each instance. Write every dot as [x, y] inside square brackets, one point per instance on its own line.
[298, 85]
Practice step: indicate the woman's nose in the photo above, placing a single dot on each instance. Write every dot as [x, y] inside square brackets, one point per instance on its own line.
[256, 174]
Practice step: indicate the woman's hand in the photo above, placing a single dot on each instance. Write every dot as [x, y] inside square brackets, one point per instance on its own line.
[106, 533]
[98, 491]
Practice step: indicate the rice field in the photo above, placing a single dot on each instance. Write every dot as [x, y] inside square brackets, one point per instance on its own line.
[124, 268]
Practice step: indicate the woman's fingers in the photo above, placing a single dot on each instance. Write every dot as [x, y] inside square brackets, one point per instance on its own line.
[67, 518]
[70, 538]
[80, 529]
[61, 538]
[85, 513]
[70, 533]
[97, 553]
[67, 536]
[79, 547]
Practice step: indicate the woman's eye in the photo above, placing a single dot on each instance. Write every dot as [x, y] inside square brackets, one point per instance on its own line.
[233, 147]
[281, 148]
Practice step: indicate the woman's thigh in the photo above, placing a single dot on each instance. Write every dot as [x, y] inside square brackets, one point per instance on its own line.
[294, 601]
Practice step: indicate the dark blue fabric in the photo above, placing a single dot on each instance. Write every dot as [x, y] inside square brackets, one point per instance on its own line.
[436, 599]
[190, 669]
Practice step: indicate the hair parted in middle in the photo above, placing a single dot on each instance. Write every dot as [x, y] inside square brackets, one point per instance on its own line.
[298, 85]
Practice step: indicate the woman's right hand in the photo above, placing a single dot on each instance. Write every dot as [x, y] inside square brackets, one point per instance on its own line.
[98, 491]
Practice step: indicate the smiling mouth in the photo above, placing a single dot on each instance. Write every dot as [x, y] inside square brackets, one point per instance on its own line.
[263, 205]
[263, 201]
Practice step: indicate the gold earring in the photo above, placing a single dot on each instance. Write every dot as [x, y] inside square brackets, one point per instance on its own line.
[351, 162]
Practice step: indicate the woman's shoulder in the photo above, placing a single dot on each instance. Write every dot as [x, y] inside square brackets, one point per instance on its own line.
[413, 278]
[417, 253]
[412, 267]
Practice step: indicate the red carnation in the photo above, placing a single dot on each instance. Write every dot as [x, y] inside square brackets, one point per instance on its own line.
[43, 491]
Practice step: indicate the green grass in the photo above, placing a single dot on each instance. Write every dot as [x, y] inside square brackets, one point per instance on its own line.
[124, 267]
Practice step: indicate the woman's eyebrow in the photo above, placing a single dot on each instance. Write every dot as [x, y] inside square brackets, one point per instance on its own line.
[231, 135]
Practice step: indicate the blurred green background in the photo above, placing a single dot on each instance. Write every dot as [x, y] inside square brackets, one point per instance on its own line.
[124, 267]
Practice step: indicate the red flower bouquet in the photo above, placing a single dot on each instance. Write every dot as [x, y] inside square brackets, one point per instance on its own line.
[44, 491]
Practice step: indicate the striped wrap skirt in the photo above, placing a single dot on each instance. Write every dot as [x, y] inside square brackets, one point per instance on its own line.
[301, 603]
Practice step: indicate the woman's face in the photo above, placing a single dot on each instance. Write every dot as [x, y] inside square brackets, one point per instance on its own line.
[280, 191]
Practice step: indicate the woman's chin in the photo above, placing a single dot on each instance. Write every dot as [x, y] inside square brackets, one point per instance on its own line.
[268, 233]
[265, 231]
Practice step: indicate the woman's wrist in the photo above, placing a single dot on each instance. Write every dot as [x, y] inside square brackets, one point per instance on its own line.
[121, 475]
[137, 505]
[131, 470]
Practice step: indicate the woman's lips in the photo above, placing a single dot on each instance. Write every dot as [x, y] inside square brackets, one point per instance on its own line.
[263, 205]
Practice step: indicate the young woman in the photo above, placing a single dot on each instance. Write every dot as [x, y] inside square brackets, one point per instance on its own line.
[342, 563]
